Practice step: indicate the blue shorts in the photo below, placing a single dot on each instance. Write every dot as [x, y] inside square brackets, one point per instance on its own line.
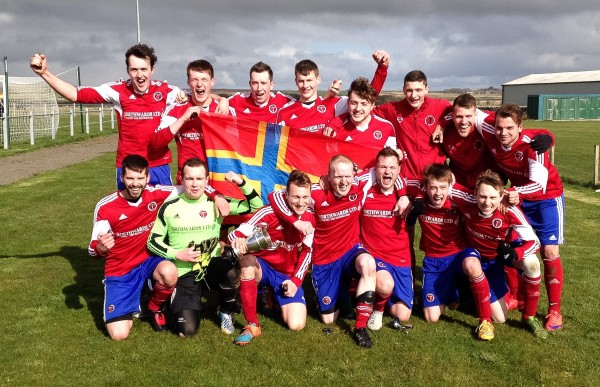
[494, 272]
[547, 217]
[274, 279]
[332, 278]
[158, 175]
[403, 282]
[122, 293]
[439, 277]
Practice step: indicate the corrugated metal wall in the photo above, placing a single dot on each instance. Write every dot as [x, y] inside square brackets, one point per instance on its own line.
[563, 107]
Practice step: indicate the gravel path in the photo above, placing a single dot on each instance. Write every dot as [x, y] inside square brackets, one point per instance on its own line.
[24, 165]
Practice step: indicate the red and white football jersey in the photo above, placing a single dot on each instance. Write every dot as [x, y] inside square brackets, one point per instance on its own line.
[413, 133]
[383, 233]
[312, 116]
[189, 138]
[245, 106]
[485, 232]
[130, 223]
[291, 251]
[442, 231]
[378, 133]
[137, 116]
[531, 174]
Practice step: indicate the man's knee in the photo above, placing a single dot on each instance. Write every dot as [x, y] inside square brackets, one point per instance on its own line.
[166, 273]
[119, 330]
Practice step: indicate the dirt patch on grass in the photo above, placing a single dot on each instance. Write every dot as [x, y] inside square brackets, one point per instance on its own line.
[24, 165]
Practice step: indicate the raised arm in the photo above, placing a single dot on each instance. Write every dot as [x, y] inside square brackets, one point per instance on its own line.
[39, 65]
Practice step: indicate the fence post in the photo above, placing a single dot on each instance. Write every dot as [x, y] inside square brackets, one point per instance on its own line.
[87, 120]
[100, 114]
[112, 117]
[31, 134]
[552, 155]
[53, 126]
[596, 165]
[71, 128]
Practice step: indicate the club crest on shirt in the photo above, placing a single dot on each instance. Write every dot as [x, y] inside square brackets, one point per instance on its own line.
[519, 156]
[478, 145]
[352, 197]
[326, 300]
[377, 135]
[272, 109]
[158, 96]
[429, 120]
[152, 206]
[400, 119]
[321, 109]
[450, 148]
[203, 214]
[497, 223]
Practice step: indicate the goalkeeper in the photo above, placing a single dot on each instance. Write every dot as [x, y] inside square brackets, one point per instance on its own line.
[186, 231]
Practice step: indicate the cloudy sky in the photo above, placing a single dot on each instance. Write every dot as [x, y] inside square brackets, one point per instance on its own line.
[458, 43]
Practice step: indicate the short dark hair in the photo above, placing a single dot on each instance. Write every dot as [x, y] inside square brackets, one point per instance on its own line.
[511, 110]
[439, 172]
[141, 51]
[388, 152]
[261, 67]
[305, 66]
[490, 178]
[298, 178]
[415, 76]
[200, 65]
[193, 163]
[135, 163]
[363, 89]
[466, 101]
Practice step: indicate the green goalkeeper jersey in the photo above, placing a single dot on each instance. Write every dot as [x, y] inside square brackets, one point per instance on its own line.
[181, 221]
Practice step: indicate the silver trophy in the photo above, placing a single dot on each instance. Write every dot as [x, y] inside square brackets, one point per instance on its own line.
[259, 240]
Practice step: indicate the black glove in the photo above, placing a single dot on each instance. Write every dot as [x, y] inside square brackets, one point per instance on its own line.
[418, 207]
[506, 253]
[541, 143]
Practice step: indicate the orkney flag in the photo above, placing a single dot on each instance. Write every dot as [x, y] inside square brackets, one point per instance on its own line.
[264, 154]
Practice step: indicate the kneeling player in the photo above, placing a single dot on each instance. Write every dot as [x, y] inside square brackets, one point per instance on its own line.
[283, 266]
[384, 235]
[187, 231]
[489, 231]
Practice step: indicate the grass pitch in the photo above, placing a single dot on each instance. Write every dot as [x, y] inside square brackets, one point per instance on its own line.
[51, 330]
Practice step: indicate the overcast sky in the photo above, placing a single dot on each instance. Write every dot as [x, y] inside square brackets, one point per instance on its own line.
[458, 43]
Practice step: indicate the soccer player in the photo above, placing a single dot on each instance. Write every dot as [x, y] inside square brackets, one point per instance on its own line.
[283, 267]
[311, 112]
[338, 255]
[122, 222]
[384, 235]
[138, 101]
[360, 125]
[186, 231]
[490, 232]
[469, 156]
[181, 121]
[260, 104]
[415, 118]
[536, 187]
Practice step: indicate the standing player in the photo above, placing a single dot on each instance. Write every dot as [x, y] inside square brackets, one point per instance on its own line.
[260, 104]
[415, 118]
[311, 112]
[181, 121]
[122, 222]
[360, 125]
[283, 266]
[187, 231]
[490, 231]
[384, 235]
[537, 188]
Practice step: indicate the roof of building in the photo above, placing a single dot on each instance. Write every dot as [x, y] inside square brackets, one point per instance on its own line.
[570, 77]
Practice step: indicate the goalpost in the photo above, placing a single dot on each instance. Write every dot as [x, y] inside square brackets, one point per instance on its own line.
[30, 108]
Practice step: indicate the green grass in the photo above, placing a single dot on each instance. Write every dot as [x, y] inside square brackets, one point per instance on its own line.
[52, 331]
